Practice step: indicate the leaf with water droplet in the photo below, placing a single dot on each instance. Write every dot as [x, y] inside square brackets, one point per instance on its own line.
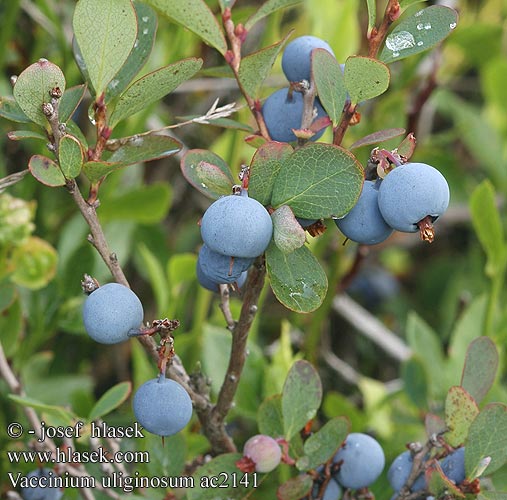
[46, 171]
[287, 232]
[297, 279]
[302, 380]
[33, 86]
[207, 172]
[105, 33]
[152, 87]
[419, 32]
[365, 78]
[318, 181]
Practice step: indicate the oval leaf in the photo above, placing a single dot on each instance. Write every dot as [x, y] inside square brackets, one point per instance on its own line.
[264, 168]
[110, 400]
[19, 135]
[105, 33]
[255, 67]
[323, 444]
[319, 181]
[365, 78]
[295, 488]
[70, 156]
[419, 32]
[147, 29]
[487, 437]
[287, 232]
[33, 86]
[197, 17]
[301, 397]
[480, 368]
[46, 171]
[460, 411]
[10, 110]
[328, 77]
[207, 172]
[152, 87]
[268, 8]
[57, 411]
[297, 279]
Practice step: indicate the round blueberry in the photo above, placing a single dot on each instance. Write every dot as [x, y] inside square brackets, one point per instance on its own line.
[264, 452]
[362, 460]
[364, 223]
[296, 58]
[282, 113]
[110, 312]
[453, 466]
[411, 192]
[332, 491]
[399, 471]
[41, 492]
[162, 406]
[221, 268]
[237, 226]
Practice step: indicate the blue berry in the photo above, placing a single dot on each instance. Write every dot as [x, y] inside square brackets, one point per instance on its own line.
[296, 58]
[283, 113]
[42, 492]
[453, 465]
[364, 223]
[237, 226]
[411, 192]
[400, 470]
[221, 268]
[332, 491]
[264, 452]
[110, 312]
[362, 460]
[162, 406]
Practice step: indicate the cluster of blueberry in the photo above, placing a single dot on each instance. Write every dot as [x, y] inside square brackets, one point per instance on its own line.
[407, 195]
[283, 110]
[235, 229]
[111, 314]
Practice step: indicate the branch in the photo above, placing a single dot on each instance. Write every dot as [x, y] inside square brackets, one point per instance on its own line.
[378, 35]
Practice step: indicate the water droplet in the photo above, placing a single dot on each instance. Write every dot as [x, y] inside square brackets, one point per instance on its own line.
[427, 26]
[396, 54]
[145, 31]
[204, 185]
[419, 13]
[400, 40]
[452, 25]
[420, 26]
[420, 43]
[136, 43]
[114, 83]
[42, 60]
[145, 19]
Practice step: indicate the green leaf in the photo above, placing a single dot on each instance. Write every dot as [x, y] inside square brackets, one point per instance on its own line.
[302, 379]
[70, 156]
[152, 87]
[297, 279]
[19, 135]
[156, 276]
[488, 227]
[270, 418]
[264, 167]
[221, 470]
[328, 76]
[419, 32]
[268, 8]
[492, 495]
[46, 171]
[110, 400]
[10, 110]
[105, 33]
[377, 137]
[372, 14]
[197, 17]
[8, 294]
[147, 29]
[439, 485]
[69, 102]
[295, 488]
[33, 86]
[415, 381]
[479, 371]
[207, 173]
[487, 437]
[460, 411]
[287, 232]
[323, 444]
[365, 78]
[255, 67]
[319, 181]
[57, 411]
[135, 149]
[35, 263]
[145, 204]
